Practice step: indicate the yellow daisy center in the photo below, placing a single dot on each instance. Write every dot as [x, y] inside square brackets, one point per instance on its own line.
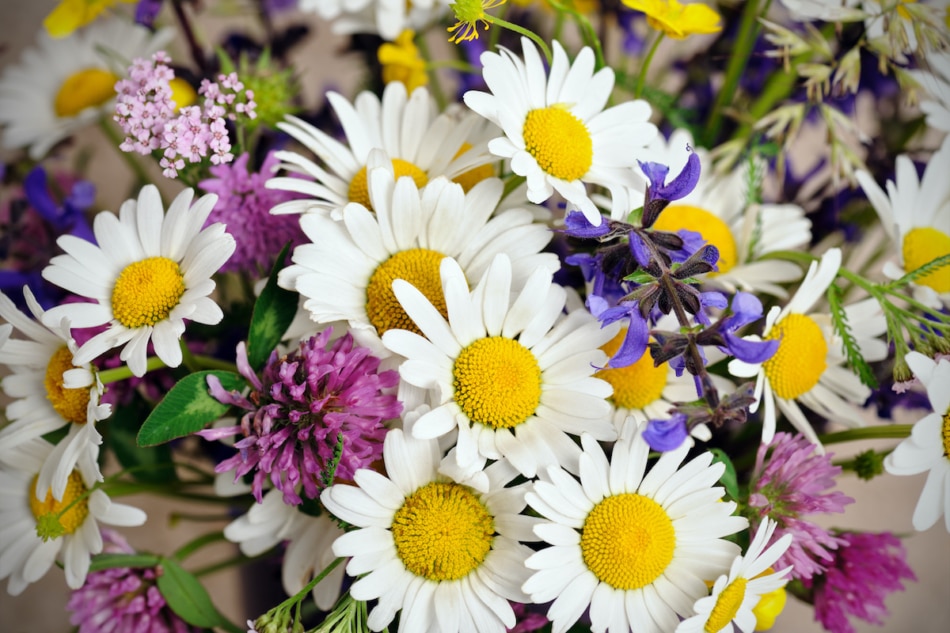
[801, 358]
[727, 606]
[945, 434]
[497, 382]
[474, 175]
[559, 142]
[87, 88]
[183, 93]
[69, 403]
[418, 266]
[147, 291]
[359, 187]
[923, 245]
[713, 230]
[627, 541]
[442, 532]
[71, 519]
[637, 385]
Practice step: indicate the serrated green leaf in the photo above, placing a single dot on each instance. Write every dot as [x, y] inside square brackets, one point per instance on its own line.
[187, 408]
[186, 596]
[853, 356]
[112, 561]
[274, 310]
[927, 269]
[729, 480]
[152, 465]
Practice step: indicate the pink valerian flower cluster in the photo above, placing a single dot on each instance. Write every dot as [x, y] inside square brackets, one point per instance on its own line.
[146, 113]
[297, 410]
[866, 569]
[791, 481]
[122, 599]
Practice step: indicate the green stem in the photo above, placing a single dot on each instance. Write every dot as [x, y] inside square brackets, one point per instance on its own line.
[587, 31]
[435, 88]
[116, 374]
[115, 139]
[455, 64]
[224, 564]
[642, 77]
[522, 31]
[194, 545]
[890, 431]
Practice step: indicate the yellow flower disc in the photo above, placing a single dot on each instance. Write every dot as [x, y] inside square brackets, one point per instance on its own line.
[801, 358]
[770, 606]
[359, 187]
[147, 291]
[418, 266]
[636, 385]
[627, 541]
[922, 246]
[727, 606]
[559, 142]
[87, 88]
[475, 175]
[945, 434]
[497, 382]
[183, 93]
[73, 518]
[442, 532]
[713, 230]
[69, 403]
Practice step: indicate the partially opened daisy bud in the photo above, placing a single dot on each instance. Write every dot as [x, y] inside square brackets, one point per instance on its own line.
[149, 272]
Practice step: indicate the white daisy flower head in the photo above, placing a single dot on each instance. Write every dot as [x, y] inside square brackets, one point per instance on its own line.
[309, 544]
[915, 212]
[64, 85]
[148, 273]
[419, 141]
[387, 18]
[47, 392]
[736, 594]
[807, 367]
[637, 546]
[928, 447]
[556, 131]
[507, 369]
[24, 556]
[445, 554]
[347, 272]
[934, 78]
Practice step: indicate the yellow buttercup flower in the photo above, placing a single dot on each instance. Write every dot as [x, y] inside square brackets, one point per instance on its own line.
[401, 61]
[70, 15]
[676, 19]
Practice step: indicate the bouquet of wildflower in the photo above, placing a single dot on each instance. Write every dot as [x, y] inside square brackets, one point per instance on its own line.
[474, 315]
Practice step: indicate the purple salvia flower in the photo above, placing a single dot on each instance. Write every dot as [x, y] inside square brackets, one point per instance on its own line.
[637, 336]
[299, 406]
[789, 482]
[666, 435]
[577, 225]
[677, 188]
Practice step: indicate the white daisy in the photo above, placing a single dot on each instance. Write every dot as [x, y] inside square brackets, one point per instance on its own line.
[637, 548]
[736, 594]
[935, 80]
[915, 212]
[24, 556]
[387, 18]
[419, 141]
[446, 554]
[149, 272]
[509, 370]
[348, 270]
[48, 392]
[309, 540]
[928, 447]
[807, 367]
[557, 132]
[63, 85]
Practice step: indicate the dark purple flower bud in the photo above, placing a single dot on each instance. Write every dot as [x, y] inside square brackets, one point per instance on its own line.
[578, 226]
[666, 435]
[701, 262]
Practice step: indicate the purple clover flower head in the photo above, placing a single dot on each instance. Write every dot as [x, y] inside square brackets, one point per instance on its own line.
[578, 226]
[681, 186]
[867, 568]
[122, 598]
[791, 481]
[666, 435]
[298, 408]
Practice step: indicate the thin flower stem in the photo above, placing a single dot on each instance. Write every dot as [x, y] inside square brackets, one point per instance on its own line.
[115, 139]
[196, 544]
[522, 31]
[587, 31]
[890, 431]
[116, 374]
[434, 85]
[455, 64]
[197, 54]
[642, 77]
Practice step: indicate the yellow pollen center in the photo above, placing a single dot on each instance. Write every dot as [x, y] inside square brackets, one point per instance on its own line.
[637, 385]
[727, 606]
[183, 93]
[442, 532]
[801, 358]
[922, 246]
[497, 382]
[475, 175]
[559, 142]
[359, 187]
[87, 88]
[418, 266]
[147, 291]
[713, 230]
[69, 403]
[71, 519]
[627, 541]
[945, 434]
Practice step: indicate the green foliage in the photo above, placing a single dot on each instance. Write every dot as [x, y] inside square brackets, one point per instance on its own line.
[839, 320]
[273, 312]
[187, 597]
[923, 271]
[112, 561]
[187, 408]
[150, 465]
[729, 479]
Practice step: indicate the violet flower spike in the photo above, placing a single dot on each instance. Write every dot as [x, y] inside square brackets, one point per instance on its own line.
[666, 435]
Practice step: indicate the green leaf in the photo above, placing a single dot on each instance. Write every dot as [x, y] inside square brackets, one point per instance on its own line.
[923, 271]
[152, 465]
[273, 312]
[187, 597]
[839, 319]
[729, 480]
[187, 408]
[112, 561]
